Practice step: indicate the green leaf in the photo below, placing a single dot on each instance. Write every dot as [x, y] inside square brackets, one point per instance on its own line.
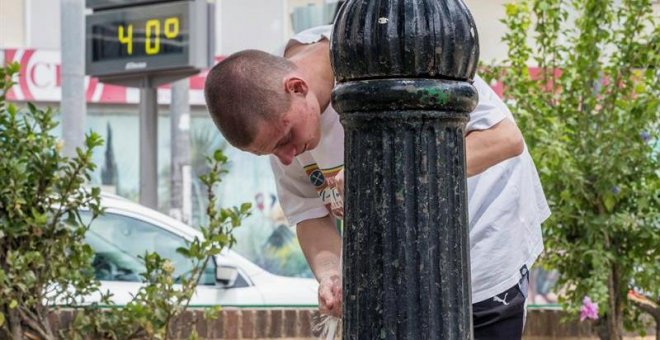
[609, 201]
[13, 304]
[96, 191]
[14, 67]
[39, 219]
[183, 251]
[511, 9]
[2, 319]
[219, 156]
[32, 107]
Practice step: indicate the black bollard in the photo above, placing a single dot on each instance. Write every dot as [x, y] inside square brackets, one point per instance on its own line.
[404, 70]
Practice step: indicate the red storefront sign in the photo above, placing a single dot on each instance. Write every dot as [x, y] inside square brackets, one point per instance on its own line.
[40, 80]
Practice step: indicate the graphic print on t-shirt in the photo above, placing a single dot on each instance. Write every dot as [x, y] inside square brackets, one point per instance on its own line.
[329, 195]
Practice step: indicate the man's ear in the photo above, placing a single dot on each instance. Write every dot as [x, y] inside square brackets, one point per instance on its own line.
[295, 86]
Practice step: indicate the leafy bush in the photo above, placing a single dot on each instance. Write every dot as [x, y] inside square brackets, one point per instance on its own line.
[42, 252]
[590, 117]
[155, 306]
[44, 261]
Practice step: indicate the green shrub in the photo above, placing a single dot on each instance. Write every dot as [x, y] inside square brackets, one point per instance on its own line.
[591, 119]
[44, 261]
[43, 256]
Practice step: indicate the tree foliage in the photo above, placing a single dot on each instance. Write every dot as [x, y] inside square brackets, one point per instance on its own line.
[589, 114]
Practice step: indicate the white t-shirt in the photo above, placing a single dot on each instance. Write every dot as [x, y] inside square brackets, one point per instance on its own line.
[506, 204]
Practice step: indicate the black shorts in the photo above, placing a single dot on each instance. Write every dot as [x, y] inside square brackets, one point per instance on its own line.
[503, 315]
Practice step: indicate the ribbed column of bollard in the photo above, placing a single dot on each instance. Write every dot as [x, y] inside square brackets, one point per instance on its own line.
[404, 93]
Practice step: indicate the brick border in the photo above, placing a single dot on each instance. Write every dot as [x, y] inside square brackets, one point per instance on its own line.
[235, 323]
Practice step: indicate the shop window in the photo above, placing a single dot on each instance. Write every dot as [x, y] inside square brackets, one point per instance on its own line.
[311, 15]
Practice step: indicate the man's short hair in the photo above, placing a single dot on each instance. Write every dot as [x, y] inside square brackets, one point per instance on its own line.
[245, 89]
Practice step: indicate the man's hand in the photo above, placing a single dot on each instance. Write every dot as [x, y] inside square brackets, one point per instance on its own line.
[338, 182]
[321, 244]
[330, 297]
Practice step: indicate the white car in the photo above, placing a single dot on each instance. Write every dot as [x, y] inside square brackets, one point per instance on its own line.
[127, 230]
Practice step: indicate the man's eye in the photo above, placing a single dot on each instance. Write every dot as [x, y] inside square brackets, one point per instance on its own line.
[283, 141]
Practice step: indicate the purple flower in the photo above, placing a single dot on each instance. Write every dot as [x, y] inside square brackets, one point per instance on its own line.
[589, 310]
[645, 135]
[616, 190]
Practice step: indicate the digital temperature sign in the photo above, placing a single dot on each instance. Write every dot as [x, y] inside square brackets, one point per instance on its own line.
[145, 39]
[138, 38]
[107, 4]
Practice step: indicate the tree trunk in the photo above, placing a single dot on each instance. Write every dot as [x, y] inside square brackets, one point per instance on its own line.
[15, 324]
[615, 310]
[42, 325]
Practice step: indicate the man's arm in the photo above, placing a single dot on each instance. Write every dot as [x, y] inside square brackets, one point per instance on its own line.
[485, 148]
[321, 244]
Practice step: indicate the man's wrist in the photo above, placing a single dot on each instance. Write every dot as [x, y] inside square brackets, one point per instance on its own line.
[329, 275]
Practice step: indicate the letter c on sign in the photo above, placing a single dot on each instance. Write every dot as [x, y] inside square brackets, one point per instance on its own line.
[41, 77]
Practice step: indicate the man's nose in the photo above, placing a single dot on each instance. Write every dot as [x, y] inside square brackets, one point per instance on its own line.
[286, 156]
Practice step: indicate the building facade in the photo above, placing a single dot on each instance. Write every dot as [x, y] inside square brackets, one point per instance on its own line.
[30, 35]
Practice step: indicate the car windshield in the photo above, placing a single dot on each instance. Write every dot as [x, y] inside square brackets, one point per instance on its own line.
[120, 241]
[111, 263]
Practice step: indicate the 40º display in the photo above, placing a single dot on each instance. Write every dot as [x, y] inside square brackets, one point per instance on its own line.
[148, 39]
[138, 38]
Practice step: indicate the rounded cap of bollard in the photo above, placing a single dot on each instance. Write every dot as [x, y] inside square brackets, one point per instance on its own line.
[404, 39]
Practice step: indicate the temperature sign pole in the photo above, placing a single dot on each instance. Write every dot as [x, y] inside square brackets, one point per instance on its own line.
[147, 43]
[149, 146]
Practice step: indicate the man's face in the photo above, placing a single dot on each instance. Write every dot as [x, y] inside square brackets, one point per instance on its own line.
[291, 134]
